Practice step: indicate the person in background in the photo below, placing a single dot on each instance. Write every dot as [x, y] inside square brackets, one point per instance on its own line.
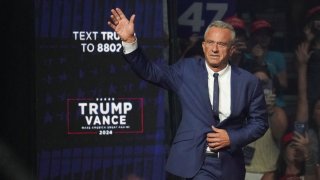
[309, 47]
[315, 136]
[295, 159]
[310, 118]
[193, 49]
[261, 34]
[238, 56]
[223, 106]
[262, 154]
[299, 156]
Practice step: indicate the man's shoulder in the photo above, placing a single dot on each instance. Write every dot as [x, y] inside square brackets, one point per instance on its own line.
[192, 62]
[193, 59]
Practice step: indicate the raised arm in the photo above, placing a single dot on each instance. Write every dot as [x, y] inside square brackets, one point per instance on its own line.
[122, 26]
[303, 142]
[302, 56]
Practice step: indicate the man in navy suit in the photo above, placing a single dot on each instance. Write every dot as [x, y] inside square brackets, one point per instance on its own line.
[214, 128]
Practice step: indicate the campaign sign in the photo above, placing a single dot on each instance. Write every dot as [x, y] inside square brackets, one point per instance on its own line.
[105, 116]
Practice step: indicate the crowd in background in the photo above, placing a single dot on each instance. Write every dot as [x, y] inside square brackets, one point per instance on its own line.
[290, 148]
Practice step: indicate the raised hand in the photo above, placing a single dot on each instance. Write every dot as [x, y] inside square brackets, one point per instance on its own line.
[302, 143]
[302, 53]
[122, 26]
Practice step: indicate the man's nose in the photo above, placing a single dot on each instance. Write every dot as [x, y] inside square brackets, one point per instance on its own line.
[215, 48]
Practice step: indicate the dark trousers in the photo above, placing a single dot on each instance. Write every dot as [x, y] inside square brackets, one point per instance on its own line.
[210, 170]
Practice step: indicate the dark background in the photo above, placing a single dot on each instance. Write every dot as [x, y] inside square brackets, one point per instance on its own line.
[17, 134]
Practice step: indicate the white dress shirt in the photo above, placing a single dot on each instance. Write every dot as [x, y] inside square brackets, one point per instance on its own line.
[129, 47]
[224, 90]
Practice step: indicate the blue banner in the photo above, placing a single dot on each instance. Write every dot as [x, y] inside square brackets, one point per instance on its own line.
[194, 16]
[95, 118]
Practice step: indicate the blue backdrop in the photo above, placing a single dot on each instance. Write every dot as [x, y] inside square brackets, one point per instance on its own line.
[67, 69]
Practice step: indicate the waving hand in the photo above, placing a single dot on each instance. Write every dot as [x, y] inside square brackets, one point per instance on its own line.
[122, 26]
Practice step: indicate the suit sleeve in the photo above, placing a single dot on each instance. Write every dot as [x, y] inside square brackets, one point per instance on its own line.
[256, 122]
[161, 74]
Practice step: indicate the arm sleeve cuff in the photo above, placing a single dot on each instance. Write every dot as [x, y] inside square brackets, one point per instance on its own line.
[129, 47]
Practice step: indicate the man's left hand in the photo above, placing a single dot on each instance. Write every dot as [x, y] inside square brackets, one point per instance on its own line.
[218, 139]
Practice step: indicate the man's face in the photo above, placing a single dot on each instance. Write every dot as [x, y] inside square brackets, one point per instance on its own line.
[217, 47]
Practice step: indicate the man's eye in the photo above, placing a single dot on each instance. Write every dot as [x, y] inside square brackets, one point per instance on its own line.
[210, 42]
[222, 44]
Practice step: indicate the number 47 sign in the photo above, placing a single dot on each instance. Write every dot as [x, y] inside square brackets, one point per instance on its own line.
[193, 17]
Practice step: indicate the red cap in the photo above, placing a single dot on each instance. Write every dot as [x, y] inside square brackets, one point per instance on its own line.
[236, 22]
[260, 24]
[313, 11]
[287, 138]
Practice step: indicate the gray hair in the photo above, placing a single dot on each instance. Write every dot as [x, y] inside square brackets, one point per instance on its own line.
[224, 25]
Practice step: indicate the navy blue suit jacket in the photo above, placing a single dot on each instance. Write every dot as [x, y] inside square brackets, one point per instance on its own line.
[188, 78]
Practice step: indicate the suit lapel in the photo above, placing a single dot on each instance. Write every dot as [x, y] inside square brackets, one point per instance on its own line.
[204, 91]
[235, 94]
[203, 80]
[235, 80]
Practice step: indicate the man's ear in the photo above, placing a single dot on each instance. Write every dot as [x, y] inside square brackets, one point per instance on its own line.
[203, 46]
